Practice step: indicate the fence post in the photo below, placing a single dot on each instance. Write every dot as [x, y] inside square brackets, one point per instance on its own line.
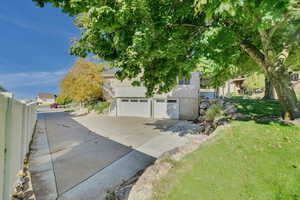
[3, 111]
[7, 131]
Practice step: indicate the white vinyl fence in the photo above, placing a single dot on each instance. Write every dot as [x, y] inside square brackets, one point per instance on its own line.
[17, 122]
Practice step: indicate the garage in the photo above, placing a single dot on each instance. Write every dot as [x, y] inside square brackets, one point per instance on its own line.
[134, 107]
[166, 108]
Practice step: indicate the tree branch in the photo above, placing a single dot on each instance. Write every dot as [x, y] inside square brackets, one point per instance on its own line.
[253, 52]
[272, 30]
[268, 49]
[293, 39]
[186, 25]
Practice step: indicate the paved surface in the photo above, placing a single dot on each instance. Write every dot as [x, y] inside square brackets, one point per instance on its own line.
[76, 158]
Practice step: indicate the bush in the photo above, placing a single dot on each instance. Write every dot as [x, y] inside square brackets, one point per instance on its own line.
[213, 112]
[63, 100]
[97, 106]
[101, 106]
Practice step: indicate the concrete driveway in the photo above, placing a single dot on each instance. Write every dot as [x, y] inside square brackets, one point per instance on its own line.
[78, 158]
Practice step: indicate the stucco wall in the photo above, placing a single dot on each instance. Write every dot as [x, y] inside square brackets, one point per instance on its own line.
[125, 89]
[188, 108]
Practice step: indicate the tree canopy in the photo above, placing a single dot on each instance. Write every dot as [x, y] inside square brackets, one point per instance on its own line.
[82, 83]
[163, 39]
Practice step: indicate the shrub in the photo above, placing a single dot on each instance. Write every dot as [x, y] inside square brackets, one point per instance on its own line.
[98, 106]
[101, 106]
[213, 112]
[63, 99]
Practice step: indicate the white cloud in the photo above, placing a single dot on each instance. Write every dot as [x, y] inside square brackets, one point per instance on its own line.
[26, 79]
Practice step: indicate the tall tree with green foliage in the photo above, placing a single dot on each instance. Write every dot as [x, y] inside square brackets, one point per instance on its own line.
[267, 31]
[163, 39]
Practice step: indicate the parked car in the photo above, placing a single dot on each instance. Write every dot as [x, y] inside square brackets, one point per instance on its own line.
[54, 105]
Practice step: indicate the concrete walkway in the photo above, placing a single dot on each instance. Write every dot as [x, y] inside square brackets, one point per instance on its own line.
[76, 158]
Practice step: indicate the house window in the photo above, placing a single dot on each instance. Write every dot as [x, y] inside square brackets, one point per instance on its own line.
[172, 101]
[133, 100]
[294, 76]
[160, 101]
[184, 82]
[144, 100]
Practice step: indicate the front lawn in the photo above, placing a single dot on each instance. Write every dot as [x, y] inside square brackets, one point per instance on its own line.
[247, 160]
[255, 108]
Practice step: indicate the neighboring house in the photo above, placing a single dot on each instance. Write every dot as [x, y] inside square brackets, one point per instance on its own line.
[294, 77]
[205, 90]
[45, 98]
[233, 86]
[127, 100]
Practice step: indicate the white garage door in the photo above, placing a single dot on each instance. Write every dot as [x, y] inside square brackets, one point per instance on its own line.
[134, 107]
[164, 108]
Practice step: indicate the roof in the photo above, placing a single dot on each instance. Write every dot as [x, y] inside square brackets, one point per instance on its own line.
[46, 96]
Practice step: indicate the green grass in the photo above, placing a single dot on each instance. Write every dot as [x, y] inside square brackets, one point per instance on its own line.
[245, 161]
[254, 108]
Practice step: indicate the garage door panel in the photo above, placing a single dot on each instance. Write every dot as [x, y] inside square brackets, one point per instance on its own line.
[134, 107]
[168, 109]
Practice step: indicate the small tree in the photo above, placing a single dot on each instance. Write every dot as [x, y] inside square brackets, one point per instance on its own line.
[62, 99]
[83, 82]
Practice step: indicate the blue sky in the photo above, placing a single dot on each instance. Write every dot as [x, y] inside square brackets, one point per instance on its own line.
[34, 44]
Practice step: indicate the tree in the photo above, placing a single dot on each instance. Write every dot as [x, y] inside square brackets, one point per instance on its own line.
[267, 31]
[62, 99]
[83, 82]
[269, 90]
[165, 39]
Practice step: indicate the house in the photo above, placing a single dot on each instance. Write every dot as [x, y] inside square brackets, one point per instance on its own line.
[206, 91]
[45, 98]
[127, 100]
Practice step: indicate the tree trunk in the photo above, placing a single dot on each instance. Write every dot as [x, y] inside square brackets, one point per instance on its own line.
[277, 72]
[286, 94]
[269, 90]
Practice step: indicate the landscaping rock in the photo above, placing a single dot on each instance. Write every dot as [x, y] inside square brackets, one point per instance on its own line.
[183, 128]
[222, 121]
[229, 109]
[202, 112]
[204, 105]
[143, 189]
[201, 128]
[201, 118]
[238, 116]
